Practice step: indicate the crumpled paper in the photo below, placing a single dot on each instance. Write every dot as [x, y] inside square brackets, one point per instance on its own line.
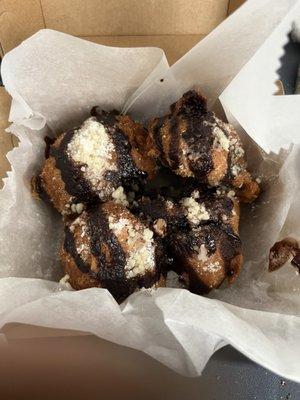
[54, 79]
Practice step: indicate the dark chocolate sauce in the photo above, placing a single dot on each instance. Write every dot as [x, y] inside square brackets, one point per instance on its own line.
[110, 255]
[157, 137]
[71, 174]
[127, 170]
[49, 142]
[37, 186]
[157, 209]
[174, 142]
[199, 140]
[70, 248]
[192, 104]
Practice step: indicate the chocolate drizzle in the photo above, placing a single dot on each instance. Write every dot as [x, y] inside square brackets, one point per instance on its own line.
[127, 170]
[191, 104]
[49, 142]
[38, 189]
[157, 137]
[174, 142]
[199, 139]
[157, 134]
[71, 174]
[70, 248]
[109, 253]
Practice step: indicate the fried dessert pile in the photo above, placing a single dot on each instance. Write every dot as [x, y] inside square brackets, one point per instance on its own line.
[122, 232]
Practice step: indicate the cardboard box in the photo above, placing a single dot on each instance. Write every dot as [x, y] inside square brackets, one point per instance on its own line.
[173, 25]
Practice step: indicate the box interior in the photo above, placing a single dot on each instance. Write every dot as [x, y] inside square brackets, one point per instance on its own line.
[173, 25]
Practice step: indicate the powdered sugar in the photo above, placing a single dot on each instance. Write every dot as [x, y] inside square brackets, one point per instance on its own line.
[120, 197]
[212, 267]
[202, 253]
[221, 138]
[141, 255]
[92, 148]
[194, 211]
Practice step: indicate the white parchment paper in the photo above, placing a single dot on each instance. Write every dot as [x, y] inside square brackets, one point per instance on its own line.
[54, 79]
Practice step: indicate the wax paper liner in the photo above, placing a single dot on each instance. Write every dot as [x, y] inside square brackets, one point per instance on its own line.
[54, 79]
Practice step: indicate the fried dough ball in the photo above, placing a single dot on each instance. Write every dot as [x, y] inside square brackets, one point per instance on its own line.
[93, 163]
[208, 255]
[109, 247]
[197, 208]
[194, 143]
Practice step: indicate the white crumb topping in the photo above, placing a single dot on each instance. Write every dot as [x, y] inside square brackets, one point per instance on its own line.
[92, 147]
[224, 218]
[231, 194]
[235, 147]
[82, 239]
[194, 211]
[236, 169]
[221, 138]
[212, 267]
[223, 191]
[141, 255]
[77, 208]
[160, 226]
[195, 194]
[120, 196]
[64, 283]
[83, 250]
[169, 204]
[202, 253]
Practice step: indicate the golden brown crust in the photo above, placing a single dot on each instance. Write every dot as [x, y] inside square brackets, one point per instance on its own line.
[235, 267]
[247, 189]
[54, 186]
[117, 211]
[77, 279]
[201, 271]
[137, 137]
[160, 283]
[220, 167]
[235, 216]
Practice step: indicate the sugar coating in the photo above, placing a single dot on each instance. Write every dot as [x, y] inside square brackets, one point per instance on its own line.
[202, 253]
[141, 257]
[195, 194]
[92, 148]
[169, 204]
[120, 196]
[232, 144]
[194, 211]
[235, 170]
[82, 241]
[223, 191]
[212, 267]
[77, 208]
[221, 138]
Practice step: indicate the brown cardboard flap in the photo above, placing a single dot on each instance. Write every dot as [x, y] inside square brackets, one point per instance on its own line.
[6, 142]
[234, 4]
[19, 19]
[175, 46]
[173, 25]
[133, 17]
